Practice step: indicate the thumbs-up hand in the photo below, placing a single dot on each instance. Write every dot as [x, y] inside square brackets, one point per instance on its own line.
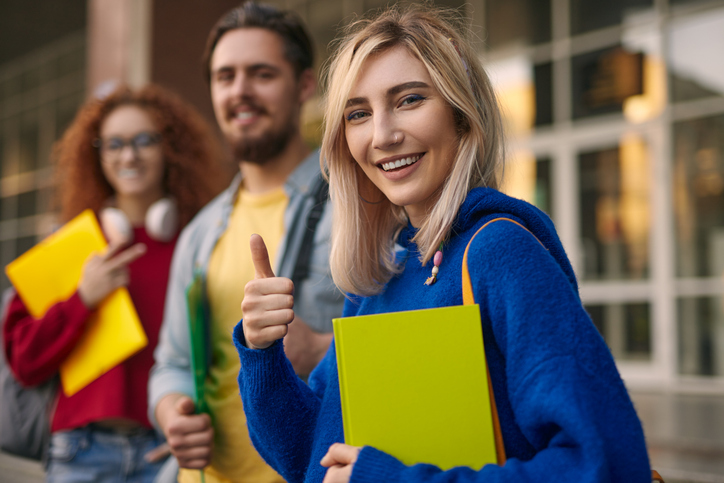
[268, 301]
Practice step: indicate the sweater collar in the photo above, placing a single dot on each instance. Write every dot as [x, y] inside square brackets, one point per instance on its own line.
[467, 217]
[486, 202]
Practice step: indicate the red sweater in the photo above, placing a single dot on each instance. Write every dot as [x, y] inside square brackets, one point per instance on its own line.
[35, 348]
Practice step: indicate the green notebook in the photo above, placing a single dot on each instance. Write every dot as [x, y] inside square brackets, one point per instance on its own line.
[414, 385]
[195, 300]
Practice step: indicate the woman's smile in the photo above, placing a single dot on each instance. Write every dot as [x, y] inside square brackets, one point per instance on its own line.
[401, 131]
[398, 163]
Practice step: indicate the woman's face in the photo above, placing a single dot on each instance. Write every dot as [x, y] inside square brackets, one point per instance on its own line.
[131, 153]
[401, 131]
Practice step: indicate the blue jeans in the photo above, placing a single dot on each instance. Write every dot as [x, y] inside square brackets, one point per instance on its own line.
[97, 455]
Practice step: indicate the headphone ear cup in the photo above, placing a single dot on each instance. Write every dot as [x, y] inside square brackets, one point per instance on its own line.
[162, 220]
[115, 224]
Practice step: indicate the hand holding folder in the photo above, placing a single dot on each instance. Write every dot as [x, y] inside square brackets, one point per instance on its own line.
[103, 273]
[50, 273]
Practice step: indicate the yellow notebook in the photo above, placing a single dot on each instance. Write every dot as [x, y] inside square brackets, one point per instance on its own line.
[50, 272]
[414, 385]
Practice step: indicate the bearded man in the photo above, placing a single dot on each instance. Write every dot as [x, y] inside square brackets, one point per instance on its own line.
[258, 64]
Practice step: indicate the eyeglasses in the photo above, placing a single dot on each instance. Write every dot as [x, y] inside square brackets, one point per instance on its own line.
[111, 148]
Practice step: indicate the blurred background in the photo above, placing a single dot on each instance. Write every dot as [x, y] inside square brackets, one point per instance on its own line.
[615, 118]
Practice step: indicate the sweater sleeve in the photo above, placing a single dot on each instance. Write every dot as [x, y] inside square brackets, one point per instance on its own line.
[35, 348]
[281, 410]
[566, 396]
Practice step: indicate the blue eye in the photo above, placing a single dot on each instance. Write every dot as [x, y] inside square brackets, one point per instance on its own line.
[355, 115]
[411, 99]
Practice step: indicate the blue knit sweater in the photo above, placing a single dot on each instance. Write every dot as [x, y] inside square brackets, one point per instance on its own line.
[564, 411]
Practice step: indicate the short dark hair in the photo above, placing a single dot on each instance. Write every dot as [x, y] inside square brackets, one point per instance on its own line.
[285, 23]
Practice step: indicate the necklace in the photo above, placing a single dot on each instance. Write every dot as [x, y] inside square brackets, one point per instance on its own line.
[436, 261]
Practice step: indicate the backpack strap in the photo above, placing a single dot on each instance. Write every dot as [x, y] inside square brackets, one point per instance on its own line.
[469, 299]
[320, 194]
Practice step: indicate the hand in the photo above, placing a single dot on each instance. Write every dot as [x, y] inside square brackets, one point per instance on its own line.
[340, 459]
[102, 274]
[268, 301]
[189, 435]
[304, 347]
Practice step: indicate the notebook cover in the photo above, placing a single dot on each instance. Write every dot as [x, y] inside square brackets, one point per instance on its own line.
[414, 385]
[198, 338]
[50, 272]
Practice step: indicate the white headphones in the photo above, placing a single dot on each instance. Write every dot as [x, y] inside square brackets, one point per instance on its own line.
[161, 222]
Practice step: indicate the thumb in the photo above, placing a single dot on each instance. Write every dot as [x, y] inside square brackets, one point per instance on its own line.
[340, 454]
[260, 257]
[184, 405]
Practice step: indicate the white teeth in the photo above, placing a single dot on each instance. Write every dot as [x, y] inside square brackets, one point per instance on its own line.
[244, 115]
[400, 163]
[127, 173]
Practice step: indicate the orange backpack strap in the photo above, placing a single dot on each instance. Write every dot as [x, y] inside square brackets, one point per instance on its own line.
[655, 476]
[469, 299]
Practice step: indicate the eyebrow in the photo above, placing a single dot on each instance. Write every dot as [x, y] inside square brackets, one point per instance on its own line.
[390, 92]
[253, 67]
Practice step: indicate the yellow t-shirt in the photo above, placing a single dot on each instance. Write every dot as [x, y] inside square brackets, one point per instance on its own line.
[234, 458]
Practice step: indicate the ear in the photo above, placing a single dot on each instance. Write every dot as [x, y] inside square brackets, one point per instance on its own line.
[307, 85]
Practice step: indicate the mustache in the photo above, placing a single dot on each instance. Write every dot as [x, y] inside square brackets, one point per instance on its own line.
[248, 103]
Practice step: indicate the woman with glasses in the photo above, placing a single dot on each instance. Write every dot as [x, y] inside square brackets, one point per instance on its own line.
[145, 162]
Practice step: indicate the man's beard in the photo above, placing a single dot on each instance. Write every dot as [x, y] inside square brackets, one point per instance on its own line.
[267, 146]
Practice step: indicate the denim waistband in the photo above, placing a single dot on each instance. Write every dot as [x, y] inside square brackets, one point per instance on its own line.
[120, 430]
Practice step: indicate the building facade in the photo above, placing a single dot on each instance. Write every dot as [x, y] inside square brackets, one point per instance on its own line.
[615, 118]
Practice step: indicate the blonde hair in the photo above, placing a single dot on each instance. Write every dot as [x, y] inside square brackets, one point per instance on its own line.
[365, 229]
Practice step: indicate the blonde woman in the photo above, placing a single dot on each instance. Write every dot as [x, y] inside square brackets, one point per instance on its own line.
[413, 148]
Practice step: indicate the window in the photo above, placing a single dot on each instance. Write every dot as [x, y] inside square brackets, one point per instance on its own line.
[625, 327]
[615, 212]
[698, 194]
[701, 336]
[587, 15]
[517, 22]
[604, 79]
[696, 72]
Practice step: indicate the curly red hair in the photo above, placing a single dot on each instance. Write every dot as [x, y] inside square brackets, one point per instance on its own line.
[192, 154]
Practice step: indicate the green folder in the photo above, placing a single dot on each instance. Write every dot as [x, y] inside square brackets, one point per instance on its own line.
[414, 385]
[199, 337]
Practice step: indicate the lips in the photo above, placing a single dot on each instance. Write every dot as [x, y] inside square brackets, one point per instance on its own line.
[400, 163]
[245, 112]
[128, 173]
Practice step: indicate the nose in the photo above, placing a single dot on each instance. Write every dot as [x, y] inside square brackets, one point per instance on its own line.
[128, 154]
[386, 133]
[242, 86]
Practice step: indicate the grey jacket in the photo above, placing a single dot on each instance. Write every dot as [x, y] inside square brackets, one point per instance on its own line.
[319, 302]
